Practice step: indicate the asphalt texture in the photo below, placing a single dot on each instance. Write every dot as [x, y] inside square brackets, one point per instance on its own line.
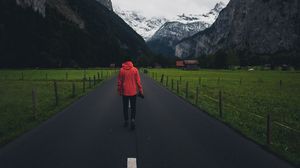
[170, 133]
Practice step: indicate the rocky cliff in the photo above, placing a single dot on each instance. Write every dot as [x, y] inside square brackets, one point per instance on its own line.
[36, 5]
[60, 5]
[64, 33]
[63, 7]
[249, 27]
[106, 3]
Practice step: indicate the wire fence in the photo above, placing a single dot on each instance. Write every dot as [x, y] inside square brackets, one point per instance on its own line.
[219, 103]
[31, 98]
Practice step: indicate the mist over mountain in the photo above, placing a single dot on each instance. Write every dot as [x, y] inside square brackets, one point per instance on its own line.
[64, 33]
[250, 32]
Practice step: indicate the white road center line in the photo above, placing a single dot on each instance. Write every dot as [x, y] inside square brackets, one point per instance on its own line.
[131, 163]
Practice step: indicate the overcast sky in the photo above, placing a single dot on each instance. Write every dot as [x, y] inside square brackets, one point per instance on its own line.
[167, 8]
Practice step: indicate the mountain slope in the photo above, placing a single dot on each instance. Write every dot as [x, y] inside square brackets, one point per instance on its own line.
[258, 31]
[144, 26]
[165, 39]
[68, 33]
[106, 3]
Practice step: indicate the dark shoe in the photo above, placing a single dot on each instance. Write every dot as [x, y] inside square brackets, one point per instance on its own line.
[132, 124]
[126, 124]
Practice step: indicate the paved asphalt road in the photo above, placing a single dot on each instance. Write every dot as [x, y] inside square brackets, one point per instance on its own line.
[170, 133]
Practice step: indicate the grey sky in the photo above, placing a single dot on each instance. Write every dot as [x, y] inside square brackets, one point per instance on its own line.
[167, 8]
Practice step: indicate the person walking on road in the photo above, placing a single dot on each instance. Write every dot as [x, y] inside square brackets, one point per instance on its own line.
[129, 87]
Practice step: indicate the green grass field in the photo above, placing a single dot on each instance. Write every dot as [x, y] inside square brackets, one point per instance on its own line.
[247, 99]
[17, 113]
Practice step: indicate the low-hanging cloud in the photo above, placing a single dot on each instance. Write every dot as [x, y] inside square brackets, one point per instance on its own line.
[167, 8]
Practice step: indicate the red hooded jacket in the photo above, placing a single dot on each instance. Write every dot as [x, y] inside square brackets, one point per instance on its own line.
[129, 81]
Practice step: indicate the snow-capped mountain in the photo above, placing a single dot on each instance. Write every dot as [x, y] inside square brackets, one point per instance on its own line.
[187, 25]
[208, 18]
[147, 26]
[144, 26]
[166, 38]
[176, 30]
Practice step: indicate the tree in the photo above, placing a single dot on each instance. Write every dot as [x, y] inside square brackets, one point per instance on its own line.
[220, 60]
[232, 58]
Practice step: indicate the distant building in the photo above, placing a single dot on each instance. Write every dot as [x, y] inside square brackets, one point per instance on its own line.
[188, 64]
[180, 64]
[285, 67]
[112, 65]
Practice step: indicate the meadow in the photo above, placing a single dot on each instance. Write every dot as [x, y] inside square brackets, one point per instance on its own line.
[29, 97]
[262, 105]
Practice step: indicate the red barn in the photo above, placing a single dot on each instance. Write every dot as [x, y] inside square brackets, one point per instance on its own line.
[179, 64]
[188, 64]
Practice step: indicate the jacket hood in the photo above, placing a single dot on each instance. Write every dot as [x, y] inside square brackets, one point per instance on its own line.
[127, 65]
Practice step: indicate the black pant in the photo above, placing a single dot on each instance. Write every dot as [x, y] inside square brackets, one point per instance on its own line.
[132, 105]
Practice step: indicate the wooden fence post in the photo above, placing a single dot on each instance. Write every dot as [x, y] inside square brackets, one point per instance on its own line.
[98, 75]
[167, 82]
[90, 82]
[269, 129]
[221, 104]
[162, 79]
[55, 92]
[67, 75]
[280, 83]
[94, 80]
[200, 81]
[172, 84]
[83, 85]
[187, 90]
[73, 90]
[177, 90]
[197, 95]
[34, 109]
